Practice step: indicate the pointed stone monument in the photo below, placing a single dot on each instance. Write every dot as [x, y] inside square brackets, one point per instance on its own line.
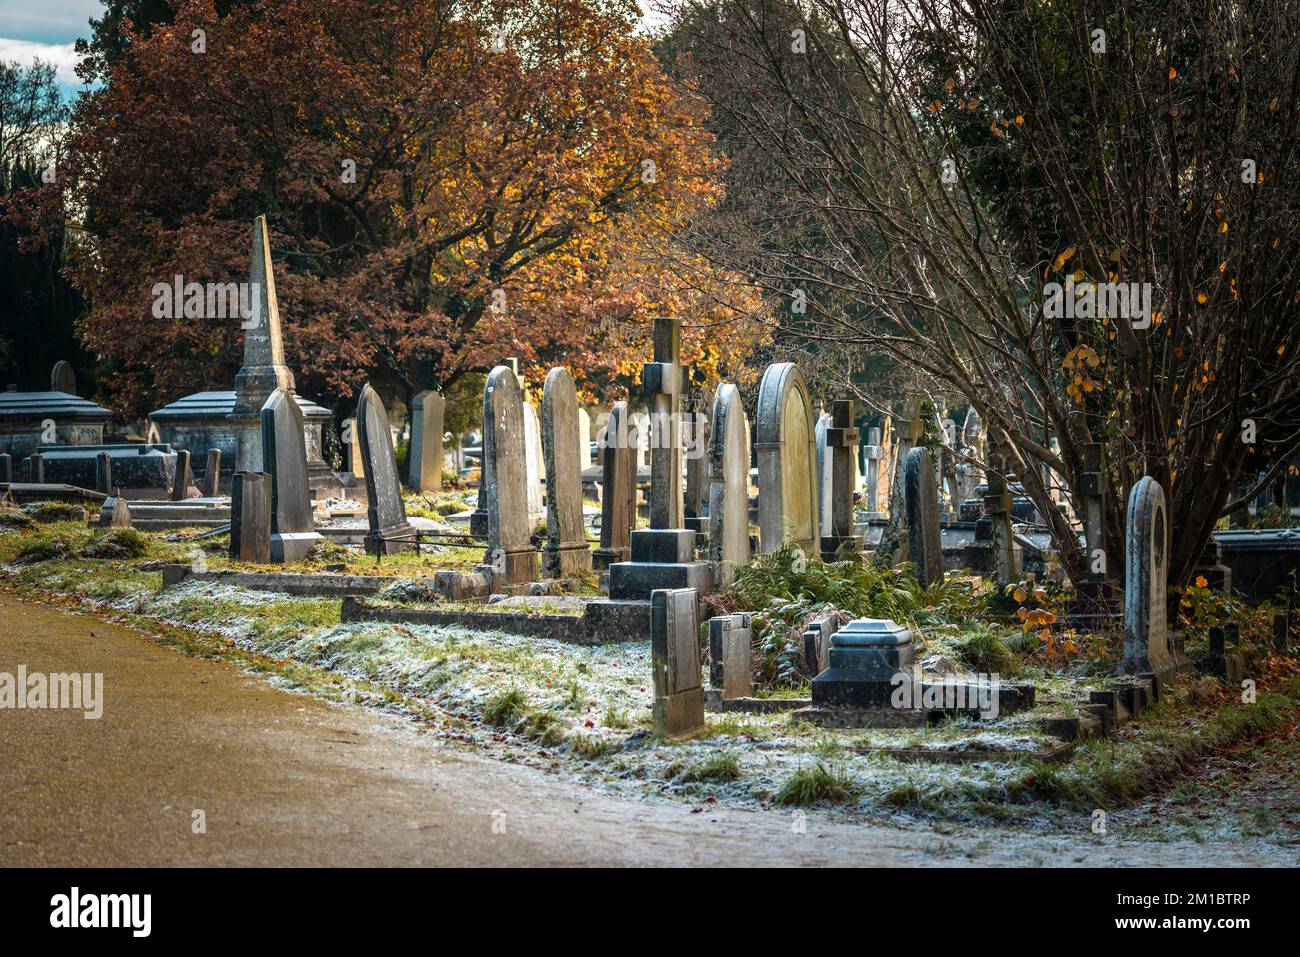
[390, 532]
[566, 552]
[293, 532]
[264, 370]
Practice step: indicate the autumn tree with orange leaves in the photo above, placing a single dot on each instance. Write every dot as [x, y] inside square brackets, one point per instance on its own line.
[447, 183]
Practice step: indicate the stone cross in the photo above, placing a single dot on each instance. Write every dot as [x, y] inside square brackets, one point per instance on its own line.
[618, 490]
[841, 440]
[663, 380]
[787, 460]
[728, 486]
[510, 556]
[566, 552]
[62, 378]
[1146, 556]
[292, 530]
[425, 471]
[390, 532]
[731, 656]
[212, 474]
[263, 371]
[675, 655]
[924, 549]
[250, 517]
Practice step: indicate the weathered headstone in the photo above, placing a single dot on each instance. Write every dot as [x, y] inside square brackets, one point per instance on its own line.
[728, 486]
[119, 515]
[566, 552]
[62, 378]
[390, 532]
[817, 644]
[510, 555]
[534, 464]
[263, 371]
[6, 468]
[427, 410]
[924, 548]
[841, 443]
[293, 532]
[663, 554]
[584, 440]
[695, 433]
[675, 655]
[36, 468]
[1146, 547]
[618, 489]
[910, 428]
[104, 473]
[212, 474]
[1007, 555]
[250, 517]
[181, 478]
[787, 461]
[354, 460]
[731, 655]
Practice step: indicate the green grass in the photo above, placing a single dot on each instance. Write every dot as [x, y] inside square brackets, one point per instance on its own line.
[718, 768]
[819, 784]
[505, 708]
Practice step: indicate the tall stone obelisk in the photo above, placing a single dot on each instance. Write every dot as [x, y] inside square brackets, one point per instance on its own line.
[264, 370]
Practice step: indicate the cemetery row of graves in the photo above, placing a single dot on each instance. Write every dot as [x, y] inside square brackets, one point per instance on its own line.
[709, 609]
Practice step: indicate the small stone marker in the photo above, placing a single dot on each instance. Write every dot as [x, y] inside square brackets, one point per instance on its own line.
[728, 486]
[62, 378]
[566, 552]
[6, 468]
[104, 473]
[1146, 633]
[390, 532]
[510, 555]
[250, 517]
[284, 450]
[675, 652]
[212, 474]
[36, 468]
[817, 645]
[427, 410]
[181, 477]
[924, 549]
[787, 461]
[841, 452]
[618, 490]
[119, 516]
[731, 656]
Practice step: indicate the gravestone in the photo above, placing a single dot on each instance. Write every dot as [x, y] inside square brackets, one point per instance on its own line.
[728, 486]
[873, 454]
[695, 450]
[841, 444]
[1092, 501]
[823, 477]
[510, 556]
[731, 655]
[787, 461]
[36, 468]
[6, 468]
[817, 644]
[354, 461]
[864, 657]
[534, 465]
[663, 554]
[104, 473]
[584, 440]
[675, 656]
[62, 378]
[566, 552]
[119, 516]
[924, 549]
[998, 505]
[285, 452]
[427, 409]
[250, 517]
[212, 474]
[893, 544]
[1146, 556]
[390, 532]
[618, 489]
[181, 480]
[263, 372]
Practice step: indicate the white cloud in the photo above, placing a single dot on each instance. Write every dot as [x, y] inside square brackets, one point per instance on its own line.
[62, 55]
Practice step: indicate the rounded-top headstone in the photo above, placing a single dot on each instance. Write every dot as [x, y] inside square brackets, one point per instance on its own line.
[62, 378]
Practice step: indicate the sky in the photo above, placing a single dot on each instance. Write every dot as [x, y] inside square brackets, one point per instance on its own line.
[46, 29]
